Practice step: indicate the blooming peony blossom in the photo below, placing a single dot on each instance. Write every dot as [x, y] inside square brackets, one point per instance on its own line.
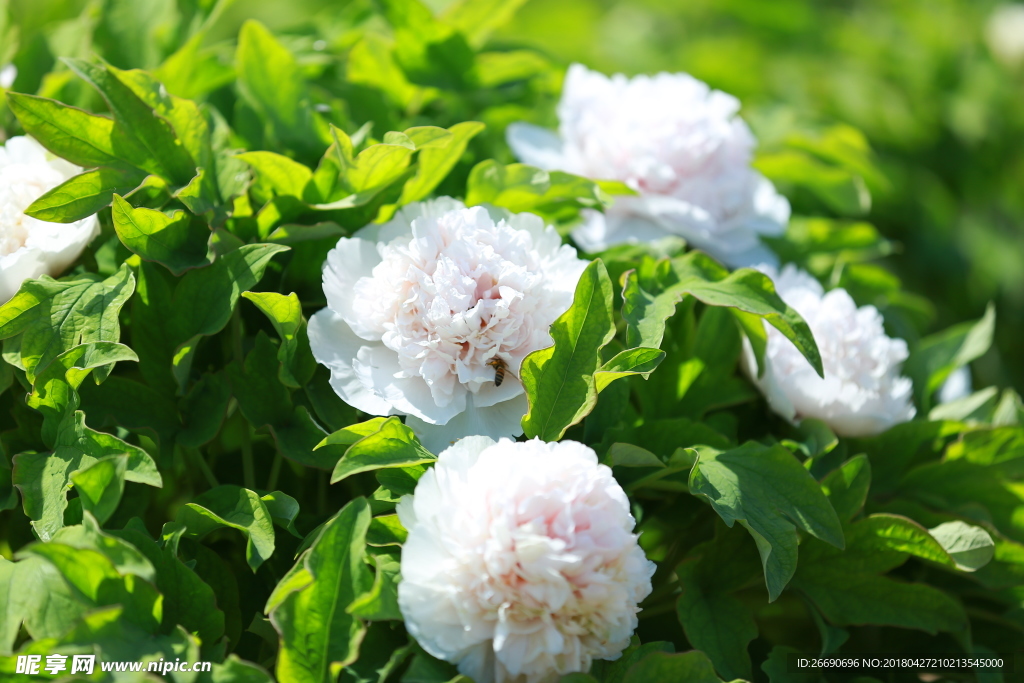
[521, 562]
[29, 247]
[420, 309]
[674, 141]
[862, 392]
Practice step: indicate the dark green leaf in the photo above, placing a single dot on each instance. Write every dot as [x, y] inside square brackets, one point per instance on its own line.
[236, 508]
[766, 489]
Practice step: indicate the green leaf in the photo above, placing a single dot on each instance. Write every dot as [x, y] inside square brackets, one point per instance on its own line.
[281, 175]
[164, 155]
[435, 163]
[646, 314]
[646, 307]
[43, 478]
[54, 393]
[374, 169]
[847, 486]
[848, 588]
[178, 241]
[82, 138]
[518, 188]
[83, 195]
[95, 579]
[206, 297]
[559, 380]
[629, 455]
[33, 593]
[692, 667]
[935, 357]
[769, 492]
[188, 600]
[971, 547]
[380, 603]
[717, 622]
[236, 508]
[748, 291]
[53, 316]
[393, 445]
[285, 313]
[283, 510]
[386, 530]
[271, 81]
[125, 557]
[203, 410]
[477, 19]
[100, 485]
[318, 634]
[639, 361]
[839, 189]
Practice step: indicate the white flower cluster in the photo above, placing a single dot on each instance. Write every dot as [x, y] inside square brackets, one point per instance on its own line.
[425, 312]
[674, 141]
[521, 562]
[862, 392]
[29, 247]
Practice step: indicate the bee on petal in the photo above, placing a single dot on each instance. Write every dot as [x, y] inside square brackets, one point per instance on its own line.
[500, 367]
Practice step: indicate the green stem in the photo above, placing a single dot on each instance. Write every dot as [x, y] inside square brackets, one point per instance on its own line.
[211, 479]
[275, 471]
[248, 471]
[663, 608]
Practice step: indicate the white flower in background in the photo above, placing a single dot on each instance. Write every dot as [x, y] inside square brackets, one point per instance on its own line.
[521, 562]
[1004, 33]
[956, 386]
[863, 392]
[675, 141]
[29, 247]
[420, 309]
[8, 74]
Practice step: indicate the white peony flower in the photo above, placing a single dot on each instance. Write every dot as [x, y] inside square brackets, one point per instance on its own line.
[419, 309]
[675, 141]
[863, 392]
[521, 562]
[1004, 33]
[29, 247]
[8, 74]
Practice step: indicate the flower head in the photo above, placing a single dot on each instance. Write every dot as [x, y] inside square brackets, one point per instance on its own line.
[862, 392]
[424, 310]
[674, 141]
[29, 247]
[521, 562]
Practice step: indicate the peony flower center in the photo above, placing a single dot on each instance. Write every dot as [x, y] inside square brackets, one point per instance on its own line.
[454, 298]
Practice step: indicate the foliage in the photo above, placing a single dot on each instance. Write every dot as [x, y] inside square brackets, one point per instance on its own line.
[179, 479]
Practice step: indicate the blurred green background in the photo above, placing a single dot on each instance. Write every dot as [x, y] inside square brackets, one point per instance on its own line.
[936, 86]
